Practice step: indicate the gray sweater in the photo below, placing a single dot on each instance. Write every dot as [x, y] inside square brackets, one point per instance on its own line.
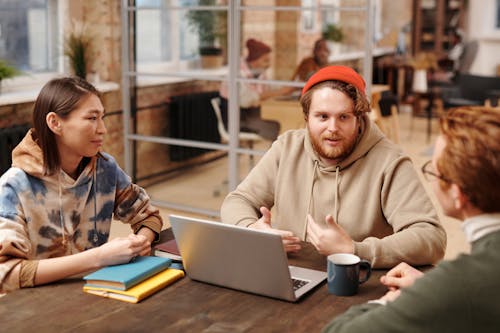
[462, 295]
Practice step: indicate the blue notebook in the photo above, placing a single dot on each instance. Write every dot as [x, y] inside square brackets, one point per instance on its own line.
[124, 276]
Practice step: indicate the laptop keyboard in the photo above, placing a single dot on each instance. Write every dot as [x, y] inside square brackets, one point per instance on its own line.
[297, 283]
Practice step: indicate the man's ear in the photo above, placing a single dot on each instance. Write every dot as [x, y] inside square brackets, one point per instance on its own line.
[53, 122]
[460, 200]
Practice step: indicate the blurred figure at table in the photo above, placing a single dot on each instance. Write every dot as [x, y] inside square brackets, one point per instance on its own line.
[310, 65]
[448, 66]
[459, 295]
[339, 183]
[253, 66]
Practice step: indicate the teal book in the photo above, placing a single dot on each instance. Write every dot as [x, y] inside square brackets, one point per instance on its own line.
[124, 276]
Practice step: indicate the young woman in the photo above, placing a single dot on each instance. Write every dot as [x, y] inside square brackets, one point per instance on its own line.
[58, 198]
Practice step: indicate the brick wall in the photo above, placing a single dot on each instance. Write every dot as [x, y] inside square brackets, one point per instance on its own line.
[18, 114]
[102, 21]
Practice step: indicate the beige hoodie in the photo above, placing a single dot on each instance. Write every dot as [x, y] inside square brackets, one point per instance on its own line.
[374, 194]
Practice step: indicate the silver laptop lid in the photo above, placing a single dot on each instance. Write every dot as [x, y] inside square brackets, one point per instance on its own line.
[233, 257]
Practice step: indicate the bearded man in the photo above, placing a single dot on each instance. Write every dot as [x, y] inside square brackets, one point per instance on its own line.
[340, 184]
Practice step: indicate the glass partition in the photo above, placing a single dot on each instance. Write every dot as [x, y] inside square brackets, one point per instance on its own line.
[210, 84]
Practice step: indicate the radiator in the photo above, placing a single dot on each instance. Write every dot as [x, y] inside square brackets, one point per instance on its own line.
[191, 117]
[9, 138]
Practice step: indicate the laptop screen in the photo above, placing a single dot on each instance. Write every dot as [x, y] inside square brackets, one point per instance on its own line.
[234, 257]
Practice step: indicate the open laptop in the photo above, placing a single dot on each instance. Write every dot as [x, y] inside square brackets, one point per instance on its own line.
[240, 258]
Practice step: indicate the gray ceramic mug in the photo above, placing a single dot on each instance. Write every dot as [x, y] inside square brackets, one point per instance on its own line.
[343, 273]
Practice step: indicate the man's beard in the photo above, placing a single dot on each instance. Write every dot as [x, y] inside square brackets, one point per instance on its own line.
[338, 153]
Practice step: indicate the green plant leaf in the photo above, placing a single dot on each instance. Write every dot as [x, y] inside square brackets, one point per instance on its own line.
[209, 25]
[333, 32]
[7, 71]
[76, 48]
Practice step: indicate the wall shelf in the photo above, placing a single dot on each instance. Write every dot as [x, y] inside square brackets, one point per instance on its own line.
[433, 24]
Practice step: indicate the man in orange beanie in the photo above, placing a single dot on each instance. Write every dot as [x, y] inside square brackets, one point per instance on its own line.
[340, 183]
[254, 66]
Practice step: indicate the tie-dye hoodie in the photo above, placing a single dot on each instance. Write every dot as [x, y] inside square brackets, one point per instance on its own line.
[52, 216]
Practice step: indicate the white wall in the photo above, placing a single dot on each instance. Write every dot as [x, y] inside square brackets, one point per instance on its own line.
[481, 27]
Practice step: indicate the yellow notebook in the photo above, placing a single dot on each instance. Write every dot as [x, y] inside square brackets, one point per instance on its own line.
[141, 290]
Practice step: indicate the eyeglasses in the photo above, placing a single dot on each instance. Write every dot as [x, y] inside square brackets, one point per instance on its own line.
[430, 174]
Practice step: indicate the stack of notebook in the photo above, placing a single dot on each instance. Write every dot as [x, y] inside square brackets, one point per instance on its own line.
[133, 281]
[168, 249]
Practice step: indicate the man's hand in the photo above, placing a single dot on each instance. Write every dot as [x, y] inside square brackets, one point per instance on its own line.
[391, 295]
[332, 239]
[291, 243]
[403, 275]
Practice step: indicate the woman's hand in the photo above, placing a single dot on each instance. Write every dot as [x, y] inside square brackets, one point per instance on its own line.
[123, 249]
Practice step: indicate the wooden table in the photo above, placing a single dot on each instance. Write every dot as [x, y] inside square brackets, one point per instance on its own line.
[185, 306]
[286, 111]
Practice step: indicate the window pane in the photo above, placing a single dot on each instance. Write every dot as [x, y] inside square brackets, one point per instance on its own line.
[148, 3]
[23, 34]
[37, 46]
[188, 39]
[148, 35]
[154, 26]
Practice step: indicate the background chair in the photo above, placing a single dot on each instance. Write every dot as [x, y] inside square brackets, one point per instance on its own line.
[246, 139]
[388, 104]
[471, 90]
[468, 56]
[9, 139]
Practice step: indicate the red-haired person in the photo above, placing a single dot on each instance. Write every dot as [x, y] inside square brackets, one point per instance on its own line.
[459, 295]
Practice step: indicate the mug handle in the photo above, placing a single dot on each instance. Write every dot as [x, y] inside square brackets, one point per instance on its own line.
[366, 265]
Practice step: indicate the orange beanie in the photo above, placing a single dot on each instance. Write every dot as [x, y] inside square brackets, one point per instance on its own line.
[336, 73]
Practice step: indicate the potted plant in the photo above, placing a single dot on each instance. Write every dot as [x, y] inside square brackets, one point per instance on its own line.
[76, 48]
[7, 71]
[211, 27]
[334, 35]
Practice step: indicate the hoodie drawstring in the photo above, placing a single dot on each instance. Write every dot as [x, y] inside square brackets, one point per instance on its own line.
[316, 163]
[95, 238]
[335, 211]
[336, 199]
[61, 217]
[94, 179]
